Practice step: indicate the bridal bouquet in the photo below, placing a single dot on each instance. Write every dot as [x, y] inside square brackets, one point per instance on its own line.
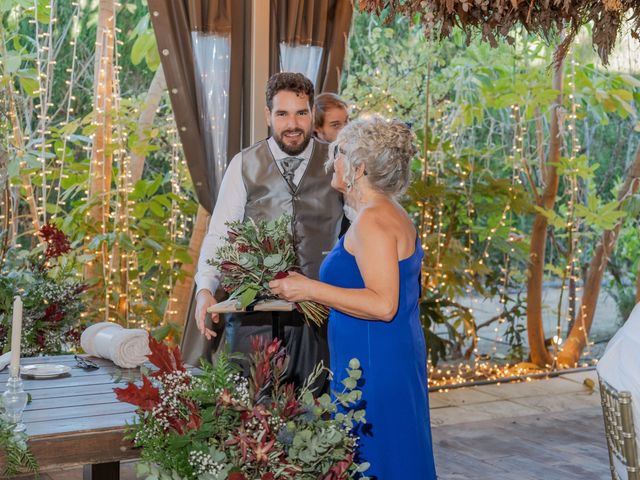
[221, 426]
[253, 255]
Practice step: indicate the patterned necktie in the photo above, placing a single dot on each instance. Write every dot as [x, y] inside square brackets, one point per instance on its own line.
[289, 166]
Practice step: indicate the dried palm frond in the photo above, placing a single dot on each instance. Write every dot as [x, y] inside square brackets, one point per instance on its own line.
[494, 19]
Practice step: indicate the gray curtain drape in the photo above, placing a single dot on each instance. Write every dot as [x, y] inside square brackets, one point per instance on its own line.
[184, 29]
[193, 38]
[321, 27]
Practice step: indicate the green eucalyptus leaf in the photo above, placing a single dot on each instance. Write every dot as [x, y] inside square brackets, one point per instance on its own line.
[273, 260]
[247, 296]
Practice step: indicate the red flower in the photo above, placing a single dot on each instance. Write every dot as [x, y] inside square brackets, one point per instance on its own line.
[225, 397]
[243, 248]
[273, 347]
[236, 476]
[257, 344]
[268, 245]
[57, 242]
[193, 423]
[280, 275]
[292, 407]
[232, 235]
[73, 335]
[145, 397]
[261, 414]
[338, 470]
[263, 449]
[227, 266]
[53, 313]
[244, 441]
[268, 476]
[194, 419]
[261, 376]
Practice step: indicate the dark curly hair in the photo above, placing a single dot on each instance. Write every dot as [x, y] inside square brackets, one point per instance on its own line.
[291, 82]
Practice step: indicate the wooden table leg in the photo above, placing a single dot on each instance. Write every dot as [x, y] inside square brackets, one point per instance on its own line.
[277, 329]
[102, 471]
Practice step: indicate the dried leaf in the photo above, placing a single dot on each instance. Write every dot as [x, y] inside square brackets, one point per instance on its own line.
[166, 359]
[145, 397]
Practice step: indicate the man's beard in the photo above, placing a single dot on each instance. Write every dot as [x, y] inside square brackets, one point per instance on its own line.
[292, 150]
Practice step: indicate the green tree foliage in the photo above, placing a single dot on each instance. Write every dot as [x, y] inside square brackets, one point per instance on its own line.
[49, 144]
[480, 118]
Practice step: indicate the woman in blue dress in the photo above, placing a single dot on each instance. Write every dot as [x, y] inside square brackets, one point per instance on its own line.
[371, 282]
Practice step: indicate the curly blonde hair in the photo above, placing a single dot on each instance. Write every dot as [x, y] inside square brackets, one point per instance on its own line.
[385, 147]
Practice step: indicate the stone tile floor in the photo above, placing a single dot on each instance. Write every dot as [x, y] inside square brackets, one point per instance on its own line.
[540, 430]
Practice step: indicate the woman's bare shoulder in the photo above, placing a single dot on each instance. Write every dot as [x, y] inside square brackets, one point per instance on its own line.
[386, 223]
[370, 221]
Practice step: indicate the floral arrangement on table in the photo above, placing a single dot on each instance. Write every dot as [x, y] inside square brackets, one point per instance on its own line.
[53, 299]
[221, 426]
[255, 253]
[18, 457]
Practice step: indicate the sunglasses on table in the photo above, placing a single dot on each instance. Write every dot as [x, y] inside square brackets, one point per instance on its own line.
[85, 363]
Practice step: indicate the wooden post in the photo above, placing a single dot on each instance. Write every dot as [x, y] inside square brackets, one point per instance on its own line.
[260, 68]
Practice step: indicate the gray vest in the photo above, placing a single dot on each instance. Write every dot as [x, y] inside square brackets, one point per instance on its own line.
[315, 207]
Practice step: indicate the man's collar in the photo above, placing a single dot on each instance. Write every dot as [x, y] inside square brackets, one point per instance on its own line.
[278, 154]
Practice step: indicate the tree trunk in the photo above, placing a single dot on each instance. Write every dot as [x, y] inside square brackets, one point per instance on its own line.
[535, 328]
[145, 121]
[577, 338]
[178, 305]
[101, 158]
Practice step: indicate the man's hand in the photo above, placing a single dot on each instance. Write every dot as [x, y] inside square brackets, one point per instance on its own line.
[204, 300]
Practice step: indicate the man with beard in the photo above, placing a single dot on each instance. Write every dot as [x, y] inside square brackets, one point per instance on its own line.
[282, 174]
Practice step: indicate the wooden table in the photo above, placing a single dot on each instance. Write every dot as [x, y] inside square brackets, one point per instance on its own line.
[77, 420]
[275, 306]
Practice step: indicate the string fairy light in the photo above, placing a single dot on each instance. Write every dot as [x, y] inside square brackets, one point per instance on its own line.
[75, 32]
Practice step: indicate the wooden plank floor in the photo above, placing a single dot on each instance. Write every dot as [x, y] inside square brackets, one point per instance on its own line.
[540, 430]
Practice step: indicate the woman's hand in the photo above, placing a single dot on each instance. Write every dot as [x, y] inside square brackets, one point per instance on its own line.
[293, 288]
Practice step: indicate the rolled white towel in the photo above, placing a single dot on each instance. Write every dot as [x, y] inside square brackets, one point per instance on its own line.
[127, 348]
[87, 339]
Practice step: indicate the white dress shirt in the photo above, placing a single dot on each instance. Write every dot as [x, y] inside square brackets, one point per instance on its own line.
[230, 206]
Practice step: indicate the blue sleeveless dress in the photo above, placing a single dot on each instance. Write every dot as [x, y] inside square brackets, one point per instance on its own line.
[396, 440]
